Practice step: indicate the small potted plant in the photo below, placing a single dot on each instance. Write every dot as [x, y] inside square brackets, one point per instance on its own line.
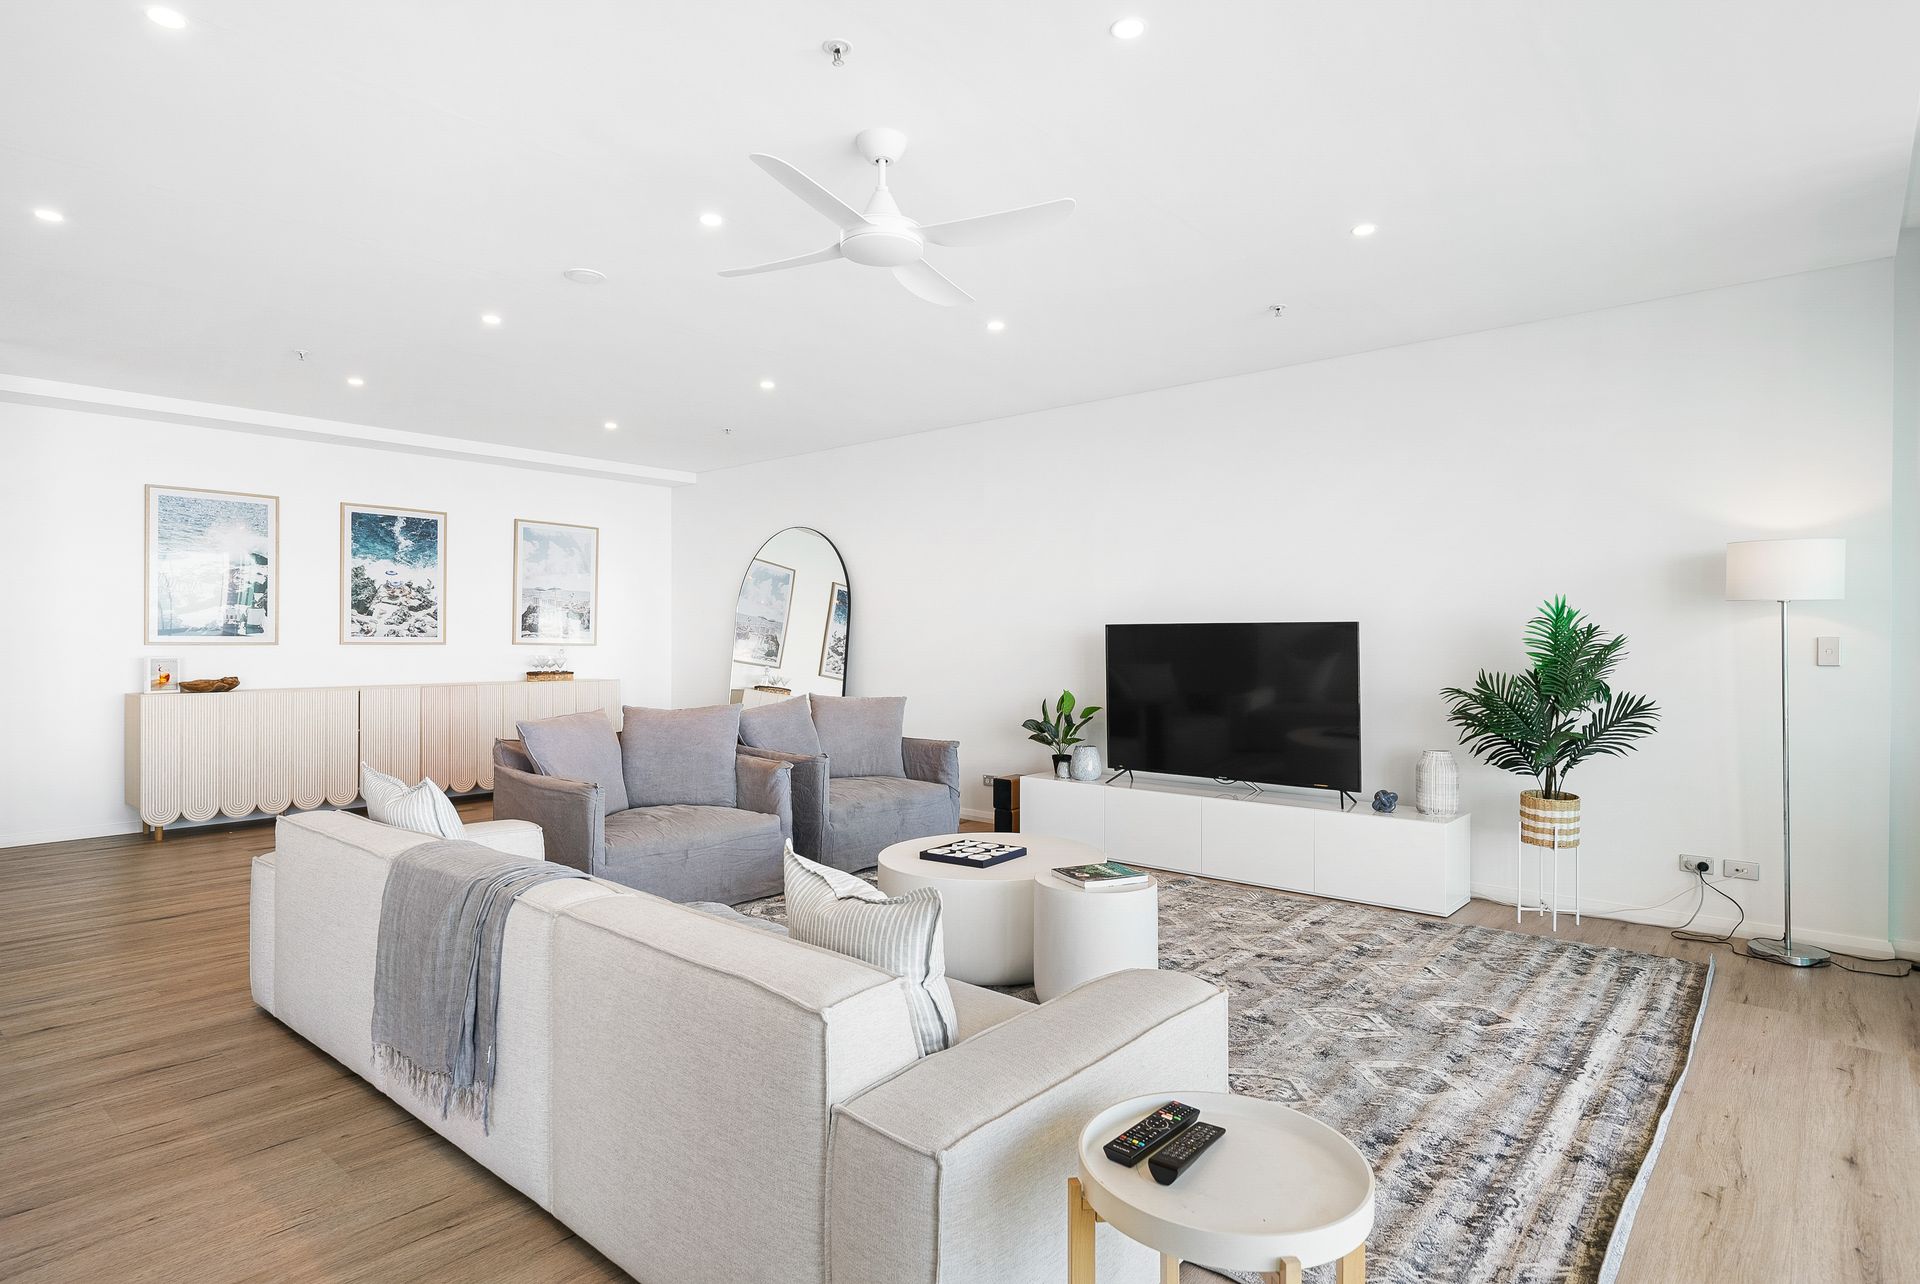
[1553, 717]
[1059, 729]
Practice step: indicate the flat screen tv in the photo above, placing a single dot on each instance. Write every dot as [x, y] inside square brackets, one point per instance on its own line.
[1271, 704]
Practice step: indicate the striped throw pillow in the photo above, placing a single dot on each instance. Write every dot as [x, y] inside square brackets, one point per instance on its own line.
[898, 934]
[424, 808]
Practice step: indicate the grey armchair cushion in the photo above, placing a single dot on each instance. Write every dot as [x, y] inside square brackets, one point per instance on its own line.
[786, 726]
[689, 853]
[578, 746]
[867, 813]
[861, 734]
[680, 755]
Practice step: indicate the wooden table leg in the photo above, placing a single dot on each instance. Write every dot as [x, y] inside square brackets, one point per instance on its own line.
[1352, 1268]
[1081, 1220]
[1169, 1269]
[1289, 1272]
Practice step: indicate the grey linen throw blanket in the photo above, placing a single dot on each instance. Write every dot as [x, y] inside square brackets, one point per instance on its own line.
[436, 975]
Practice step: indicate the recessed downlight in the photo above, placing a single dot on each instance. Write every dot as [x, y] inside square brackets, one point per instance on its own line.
[50, 216]
[1365, 229]
[489, 318]
[710, 219]
[163, 17]
[1128, 28]
[355, 381]
[766, 385]
[996, 325]
[584, 276]
[610, 425]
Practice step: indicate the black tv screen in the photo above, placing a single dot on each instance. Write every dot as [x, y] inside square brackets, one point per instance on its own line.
[1265, 703]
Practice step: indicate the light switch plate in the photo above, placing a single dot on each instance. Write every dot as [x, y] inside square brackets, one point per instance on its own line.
[1826, 652]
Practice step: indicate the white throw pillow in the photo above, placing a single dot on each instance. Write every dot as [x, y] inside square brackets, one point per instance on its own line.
[898, 934]
[424, 808]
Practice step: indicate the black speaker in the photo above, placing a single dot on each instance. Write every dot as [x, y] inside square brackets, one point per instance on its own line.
[1006, 804]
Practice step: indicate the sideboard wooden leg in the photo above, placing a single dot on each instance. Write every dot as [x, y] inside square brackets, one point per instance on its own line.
[1352, 1268]
[1081, 1220]
[159, 833]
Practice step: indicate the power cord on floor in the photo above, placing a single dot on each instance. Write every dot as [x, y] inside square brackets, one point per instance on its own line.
[1681, 933]
[1906, 966]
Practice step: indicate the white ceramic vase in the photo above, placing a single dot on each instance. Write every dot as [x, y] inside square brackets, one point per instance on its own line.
[1085, 764]
[1436, 784]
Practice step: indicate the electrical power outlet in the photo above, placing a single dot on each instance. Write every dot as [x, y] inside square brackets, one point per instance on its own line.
[1747, 869]
[1694, 864]
[987, 781]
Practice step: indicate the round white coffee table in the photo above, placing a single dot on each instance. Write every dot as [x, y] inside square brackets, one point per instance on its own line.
[986, 915]
[1080, 934]
[1279, 1193]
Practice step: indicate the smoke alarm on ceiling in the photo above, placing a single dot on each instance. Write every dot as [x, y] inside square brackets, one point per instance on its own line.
[584, 276]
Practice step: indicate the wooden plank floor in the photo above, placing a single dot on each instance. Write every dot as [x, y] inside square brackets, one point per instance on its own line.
[154, 1125]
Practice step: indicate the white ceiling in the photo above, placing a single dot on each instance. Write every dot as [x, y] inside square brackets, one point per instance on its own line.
[364, 178]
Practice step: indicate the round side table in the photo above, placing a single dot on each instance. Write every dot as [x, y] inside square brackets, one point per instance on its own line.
[1080, 934]
[1279, 1193]
[986, 915]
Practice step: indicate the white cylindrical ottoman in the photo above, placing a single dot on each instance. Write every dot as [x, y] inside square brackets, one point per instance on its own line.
[1078, 935]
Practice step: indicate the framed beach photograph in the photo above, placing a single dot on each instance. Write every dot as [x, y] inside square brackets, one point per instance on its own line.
[556, 584]
[760, 614]
[393, 574]
[833, 643]
[213, 566]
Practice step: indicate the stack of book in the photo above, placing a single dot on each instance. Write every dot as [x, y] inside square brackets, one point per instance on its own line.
[1107, 876]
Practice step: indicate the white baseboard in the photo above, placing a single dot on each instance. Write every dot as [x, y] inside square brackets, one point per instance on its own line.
[69, 834]
[976, 813]
[1711, 923]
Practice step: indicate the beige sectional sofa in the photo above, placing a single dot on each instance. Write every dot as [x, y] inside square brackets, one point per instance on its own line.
[704, 1100]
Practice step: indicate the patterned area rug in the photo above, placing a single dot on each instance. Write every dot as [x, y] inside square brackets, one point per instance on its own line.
[1509, 1089]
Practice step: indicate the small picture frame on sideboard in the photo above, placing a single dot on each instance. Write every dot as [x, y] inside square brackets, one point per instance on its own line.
[162, 673]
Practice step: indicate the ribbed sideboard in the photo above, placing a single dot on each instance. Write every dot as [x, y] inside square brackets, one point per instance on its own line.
[238, 752]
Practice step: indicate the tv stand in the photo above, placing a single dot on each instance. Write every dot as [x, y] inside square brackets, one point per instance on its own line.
[1316, 844]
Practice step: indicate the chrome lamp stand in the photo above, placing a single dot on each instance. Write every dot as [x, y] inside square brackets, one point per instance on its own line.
[1784, 950]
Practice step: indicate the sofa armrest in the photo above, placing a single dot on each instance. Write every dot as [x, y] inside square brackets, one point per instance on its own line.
[765, 785]
[978, 1141]
[934, 761]
[571, 814]
[808, 783]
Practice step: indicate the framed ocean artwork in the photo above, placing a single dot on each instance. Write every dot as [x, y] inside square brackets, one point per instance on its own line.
[213, 567]
[833, 643]
[556, 584]
[393, 574]
[760, 613]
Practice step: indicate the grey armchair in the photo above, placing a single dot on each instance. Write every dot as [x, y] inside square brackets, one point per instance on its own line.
[680, 851]
[843, 820]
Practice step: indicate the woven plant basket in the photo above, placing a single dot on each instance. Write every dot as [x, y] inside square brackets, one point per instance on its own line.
[1549, 822]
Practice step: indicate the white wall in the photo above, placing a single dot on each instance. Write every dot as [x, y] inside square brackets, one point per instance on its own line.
[72, 491]
[1436, 493]
[1904, 841]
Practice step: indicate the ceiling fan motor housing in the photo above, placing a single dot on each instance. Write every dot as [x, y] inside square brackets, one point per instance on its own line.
[891, 243]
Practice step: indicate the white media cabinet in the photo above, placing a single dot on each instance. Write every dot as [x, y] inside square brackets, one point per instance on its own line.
[1296, 842]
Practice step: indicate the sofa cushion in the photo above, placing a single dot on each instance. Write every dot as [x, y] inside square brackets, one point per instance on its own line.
[578, 746]
[900, 934]
[680, 755]
[786, 725]
[861, 734]
[423, 808]
[685, 853]
[867, 813]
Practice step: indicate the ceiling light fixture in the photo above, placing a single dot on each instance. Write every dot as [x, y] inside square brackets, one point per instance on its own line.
[766, 385]
[489, 318]
[355, 381]
[996, 325]
[162, 17]
[1365, 229]
[610, 425]
[1128, 28]
[50, 216]
[710, 219]
[584, 276]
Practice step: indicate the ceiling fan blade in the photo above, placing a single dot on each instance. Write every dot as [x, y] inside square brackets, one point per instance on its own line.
[842, 214]
[925, 280]
[1007, 224]
[798, 260]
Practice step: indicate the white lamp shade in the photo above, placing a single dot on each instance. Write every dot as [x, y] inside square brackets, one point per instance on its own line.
[1786, 570]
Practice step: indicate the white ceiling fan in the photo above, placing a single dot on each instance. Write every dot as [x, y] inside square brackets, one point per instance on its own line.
[881, 236]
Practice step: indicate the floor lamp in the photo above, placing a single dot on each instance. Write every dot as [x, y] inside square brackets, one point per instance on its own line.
[1783, 571]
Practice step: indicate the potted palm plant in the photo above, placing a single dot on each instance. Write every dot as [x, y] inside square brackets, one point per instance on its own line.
[1059, 729]
[1553, 717]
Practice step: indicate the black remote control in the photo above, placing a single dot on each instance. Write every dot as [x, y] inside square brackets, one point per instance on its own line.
[1131, 1146]
[1168, 1162]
